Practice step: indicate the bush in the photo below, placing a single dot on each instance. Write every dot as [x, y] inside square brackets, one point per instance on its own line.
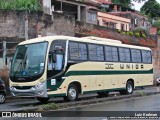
[103, 10]
[144, 36]
[28, 5]
[49, 106]
[131, 33]
[137, 34]
[119, 31]
[140, 31]
[158, 32]
[123, 33]
[127, 33]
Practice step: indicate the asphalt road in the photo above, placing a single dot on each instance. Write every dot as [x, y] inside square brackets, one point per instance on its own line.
[14, 104]
[145, 103]
[148, 103]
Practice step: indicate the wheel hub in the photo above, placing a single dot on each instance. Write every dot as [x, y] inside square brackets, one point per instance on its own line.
[2, 98]
[129, 88]
[72, 93]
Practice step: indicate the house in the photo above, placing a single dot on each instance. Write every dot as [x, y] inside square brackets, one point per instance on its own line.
[88, 11]
[113, 21]
[83, 10]
[137, 20]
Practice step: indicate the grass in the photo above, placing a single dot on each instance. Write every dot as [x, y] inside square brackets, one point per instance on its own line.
[49, 106]
[28, 5]
[142, 93]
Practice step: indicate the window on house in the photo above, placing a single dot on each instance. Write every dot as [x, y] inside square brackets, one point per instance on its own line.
[136, 21]
[105, 23]
[122, 26]
[92, 16]
[77, 51]
[96, 52]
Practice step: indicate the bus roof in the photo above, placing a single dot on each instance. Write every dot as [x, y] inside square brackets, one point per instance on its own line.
[83, 39]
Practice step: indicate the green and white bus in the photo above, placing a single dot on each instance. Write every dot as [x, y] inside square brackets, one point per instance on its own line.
[68, 66]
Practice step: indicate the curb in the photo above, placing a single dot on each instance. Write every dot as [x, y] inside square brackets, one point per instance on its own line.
[102, 100]
[62, 106]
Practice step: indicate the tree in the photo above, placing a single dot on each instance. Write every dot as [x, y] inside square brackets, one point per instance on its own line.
[157, 24]
[126, 3]
[151, 8]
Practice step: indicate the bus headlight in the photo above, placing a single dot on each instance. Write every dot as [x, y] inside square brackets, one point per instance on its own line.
[38, 85]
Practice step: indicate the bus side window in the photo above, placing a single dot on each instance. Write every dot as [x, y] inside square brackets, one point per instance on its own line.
[58, 57]
[50, 63]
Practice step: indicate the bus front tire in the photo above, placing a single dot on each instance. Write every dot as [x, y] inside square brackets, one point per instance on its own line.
[72, 93]
[2, 98]
[129, 89]
[43, 100]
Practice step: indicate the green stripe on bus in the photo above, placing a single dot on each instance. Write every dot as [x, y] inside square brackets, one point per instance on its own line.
[74, 73]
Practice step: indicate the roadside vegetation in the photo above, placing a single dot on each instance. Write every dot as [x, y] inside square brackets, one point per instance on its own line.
[140, 33]
[142, 93]
[28, 5]
[49, 106]
[151, 8]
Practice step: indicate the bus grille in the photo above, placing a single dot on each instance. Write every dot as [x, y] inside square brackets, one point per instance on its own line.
[22, 87]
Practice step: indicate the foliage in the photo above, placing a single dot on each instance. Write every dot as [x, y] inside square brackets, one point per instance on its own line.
[127, 33]
[126, 3]
[157, 24]
[103, 10]
[140, 31]
[144, 36]
[123, 33]
[158, 32]
[151, 8]
[142, 93]
[131, 33]
[29, 5]
[137, 34]
[119, 31]
[49, 106]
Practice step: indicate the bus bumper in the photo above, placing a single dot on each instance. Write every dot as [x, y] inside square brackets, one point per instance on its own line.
[30, 91]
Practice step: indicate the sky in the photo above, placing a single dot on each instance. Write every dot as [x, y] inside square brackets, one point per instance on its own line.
[137, 5]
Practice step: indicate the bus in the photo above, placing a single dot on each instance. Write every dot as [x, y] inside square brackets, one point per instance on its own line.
[63, 66]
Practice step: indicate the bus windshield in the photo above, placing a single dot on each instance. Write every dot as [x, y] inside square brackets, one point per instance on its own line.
[29, 60]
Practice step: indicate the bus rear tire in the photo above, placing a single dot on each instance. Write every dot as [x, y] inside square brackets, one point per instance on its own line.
[43, 100]
[103, 94]
[72, 93]
[128, 90]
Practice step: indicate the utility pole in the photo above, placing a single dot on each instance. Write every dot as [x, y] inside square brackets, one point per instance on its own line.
[4, 52]
[61, 5]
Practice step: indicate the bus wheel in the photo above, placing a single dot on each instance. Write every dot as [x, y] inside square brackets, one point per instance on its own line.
[2, 98]
[43, 100]
[129, 89]
[103, 94]
[72, 93]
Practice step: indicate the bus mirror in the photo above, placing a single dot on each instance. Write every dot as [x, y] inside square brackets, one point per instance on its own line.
[54, 58]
